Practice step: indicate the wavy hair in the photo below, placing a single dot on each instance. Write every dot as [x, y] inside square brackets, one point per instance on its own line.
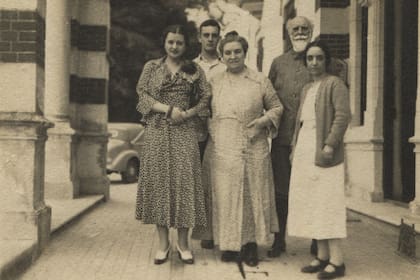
[188, 66]
[233, 36]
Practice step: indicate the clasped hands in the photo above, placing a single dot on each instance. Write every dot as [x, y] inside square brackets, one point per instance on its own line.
[177, 116]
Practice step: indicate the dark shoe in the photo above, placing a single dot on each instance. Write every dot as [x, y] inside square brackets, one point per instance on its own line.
[230, 256]
[207, 244]
[162, 256]
[250, 254]
[276, 249]
[315, 268]
[338, 272]
[185, 256]
[314, 247]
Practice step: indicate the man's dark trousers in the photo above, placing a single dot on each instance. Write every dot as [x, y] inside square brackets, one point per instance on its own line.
[280, 158]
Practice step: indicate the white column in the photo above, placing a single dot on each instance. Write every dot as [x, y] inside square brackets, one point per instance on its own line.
[355, 30]
[57, 59]
[375, 64]
[272, 32]
[415, 204]
[364, 144]
[57, 72]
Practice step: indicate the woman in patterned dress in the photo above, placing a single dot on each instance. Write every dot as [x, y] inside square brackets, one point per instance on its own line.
[316, 201]
[173, 93]
[237, 165]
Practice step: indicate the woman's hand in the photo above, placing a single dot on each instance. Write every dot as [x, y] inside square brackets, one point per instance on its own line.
[327, 152]
[177, 116]
[256, 127]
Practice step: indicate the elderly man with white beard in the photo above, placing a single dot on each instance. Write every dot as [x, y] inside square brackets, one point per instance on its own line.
[288, 75]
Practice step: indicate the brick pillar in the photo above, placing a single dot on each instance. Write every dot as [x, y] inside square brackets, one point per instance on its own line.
[24, 217]
[57, 80]
[88, 95]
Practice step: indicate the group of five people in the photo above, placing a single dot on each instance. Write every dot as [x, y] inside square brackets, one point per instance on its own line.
[230, 185]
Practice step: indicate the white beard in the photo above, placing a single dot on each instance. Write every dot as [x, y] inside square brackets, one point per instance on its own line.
[299, 45]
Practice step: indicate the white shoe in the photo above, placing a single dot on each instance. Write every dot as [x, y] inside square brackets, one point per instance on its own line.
[162, 256]
[185, 256]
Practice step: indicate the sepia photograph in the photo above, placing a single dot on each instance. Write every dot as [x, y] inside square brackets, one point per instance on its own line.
[209, 139]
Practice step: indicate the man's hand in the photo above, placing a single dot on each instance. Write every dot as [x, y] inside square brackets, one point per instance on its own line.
[327, 152]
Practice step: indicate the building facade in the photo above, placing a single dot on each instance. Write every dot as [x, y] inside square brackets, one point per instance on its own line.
[378, 42]
[54, 71]
[384, 78]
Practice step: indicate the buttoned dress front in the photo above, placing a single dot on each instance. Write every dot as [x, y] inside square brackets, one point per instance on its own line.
[239, 171]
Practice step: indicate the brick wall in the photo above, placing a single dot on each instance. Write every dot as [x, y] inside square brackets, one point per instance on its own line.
[88, 37]
[333, 3]
[338, 44]
[86, 90]
[21, 36]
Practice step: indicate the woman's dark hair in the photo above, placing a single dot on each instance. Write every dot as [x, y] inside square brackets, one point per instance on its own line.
[233, 36]
[176, 29]
[188, 66]
[324, 47]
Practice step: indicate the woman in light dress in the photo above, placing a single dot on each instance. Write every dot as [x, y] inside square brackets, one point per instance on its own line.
[245, 111]
[316, 201]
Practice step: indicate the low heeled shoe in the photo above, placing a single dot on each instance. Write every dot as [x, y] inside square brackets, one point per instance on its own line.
[250, 254]
[185, 256]
[339, 271]
[315, 268]
[162, 256]
[276, 249]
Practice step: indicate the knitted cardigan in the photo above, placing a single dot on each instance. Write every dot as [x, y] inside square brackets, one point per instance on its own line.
[332, 116]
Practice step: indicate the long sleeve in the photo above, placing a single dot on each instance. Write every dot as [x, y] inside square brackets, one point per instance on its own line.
[340, 100]
[273, 107]
[272, 74]
[146, 101]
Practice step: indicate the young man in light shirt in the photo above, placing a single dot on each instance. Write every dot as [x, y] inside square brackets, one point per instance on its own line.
[209, 61]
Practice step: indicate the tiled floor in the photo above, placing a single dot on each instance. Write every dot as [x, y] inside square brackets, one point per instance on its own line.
[108, 243]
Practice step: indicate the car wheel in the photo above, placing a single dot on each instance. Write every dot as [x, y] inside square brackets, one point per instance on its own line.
[131, 173]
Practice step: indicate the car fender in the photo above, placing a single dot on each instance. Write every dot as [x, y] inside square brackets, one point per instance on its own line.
[120, 162]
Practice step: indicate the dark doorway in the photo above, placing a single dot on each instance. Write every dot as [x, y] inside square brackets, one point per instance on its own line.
[400, 91]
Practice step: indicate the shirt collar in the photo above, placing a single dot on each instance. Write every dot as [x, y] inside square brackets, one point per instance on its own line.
[214, 62]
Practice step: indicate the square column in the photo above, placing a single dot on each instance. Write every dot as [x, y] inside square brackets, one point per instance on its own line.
[364, 144]
[89, 95]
